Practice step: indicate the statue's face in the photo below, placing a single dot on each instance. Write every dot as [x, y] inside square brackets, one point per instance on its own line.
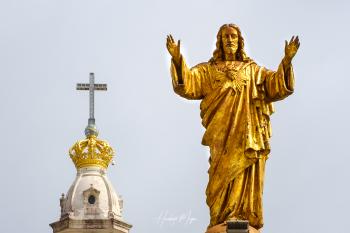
[230, 40]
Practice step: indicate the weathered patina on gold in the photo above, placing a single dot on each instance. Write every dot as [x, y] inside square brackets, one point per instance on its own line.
[237, 96]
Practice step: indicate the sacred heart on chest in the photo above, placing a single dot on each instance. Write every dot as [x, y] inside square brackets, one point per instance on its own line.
[235, 80]
[231, 76]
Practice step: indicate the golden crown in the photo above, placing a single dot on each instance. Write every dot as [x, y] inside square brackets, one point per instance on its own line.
[91, 152]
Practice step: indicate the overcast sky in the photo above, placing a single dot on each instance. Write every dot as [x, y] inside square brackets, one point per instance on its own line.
[47, 46]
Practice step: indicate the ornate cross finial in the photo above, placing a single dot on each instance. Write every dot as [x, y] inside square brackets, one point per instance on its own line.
[91, 87]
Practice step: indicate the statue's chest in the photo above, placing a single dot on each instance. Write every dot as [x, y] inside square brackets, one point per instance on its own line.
[230, 76]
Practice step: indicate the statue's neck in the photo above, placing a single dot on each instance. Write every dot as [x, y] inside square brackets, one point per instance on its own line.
[230, 57]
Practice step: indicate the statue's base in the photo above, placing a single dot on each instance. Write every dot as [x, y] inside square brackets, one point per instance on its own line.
[234, 226]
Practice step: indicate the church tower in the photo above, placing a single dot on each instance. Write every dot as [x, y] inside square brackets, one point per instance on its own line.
[91, 205]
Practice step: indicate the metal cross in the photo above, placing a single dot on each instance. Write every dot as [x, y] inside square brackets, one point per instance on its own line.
[91, 87]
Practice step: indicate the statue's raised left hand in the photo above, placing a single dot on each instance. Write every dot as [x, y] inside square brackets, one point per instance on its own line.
[291, 49]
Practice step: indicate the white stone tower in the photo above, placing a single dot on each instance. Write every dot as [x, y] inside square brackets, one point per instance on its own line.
[91, 205]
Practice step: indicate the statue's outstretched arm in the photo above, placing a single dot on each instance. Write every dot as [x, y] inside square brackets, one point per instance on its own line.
[280, 84]
[186, 82]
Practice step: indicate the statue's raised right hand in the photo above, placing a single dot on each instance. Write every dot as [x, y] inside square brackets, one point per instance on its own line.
[174, 49]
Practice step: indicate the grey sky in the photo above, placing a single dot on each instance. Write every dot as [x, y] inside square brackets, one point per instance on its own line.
[46, 47]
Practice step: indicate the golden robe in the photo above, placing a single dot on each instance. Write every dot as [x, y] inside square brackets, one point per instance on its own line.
[235, 111]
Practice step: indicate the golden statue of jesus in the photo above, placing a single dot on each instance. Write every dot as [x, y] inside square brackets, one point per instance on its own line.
[236, 103]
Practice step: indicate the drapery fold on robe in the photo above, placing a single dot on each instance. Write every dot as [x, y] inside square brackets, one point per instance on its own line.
[236, 115]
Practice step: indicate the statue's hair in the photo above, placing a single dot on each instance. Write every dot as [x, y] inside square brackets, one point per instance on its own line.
[219, 54]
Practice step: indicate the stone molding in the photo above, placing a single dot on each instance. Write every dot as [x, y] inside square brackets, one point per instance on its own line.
[68, 225]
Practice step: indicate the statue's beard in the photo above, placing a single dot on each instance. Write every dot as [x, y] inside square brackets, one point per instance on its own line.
[230, 52]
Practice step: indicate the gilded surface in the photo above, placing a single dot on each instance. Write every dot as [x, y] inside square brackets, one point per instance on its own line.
[236, 103]
[91, 152]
